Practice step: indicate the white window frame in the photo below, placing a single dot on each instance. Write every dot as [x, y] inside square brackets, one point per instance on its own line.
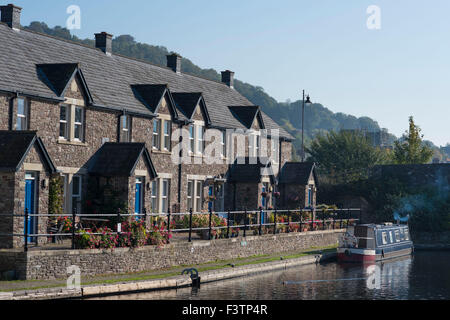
[223, 142]
[154, 196]
[254, 144]
[65, 123]
[156, 135]
[165, 199]
[200, 140]
[78, 123]
[125, 128]
[198, 198]
[384, 238]
[397, 236]
[166, 136]
[190, 195]
[76, 195]
[22, 117]
[191, 139]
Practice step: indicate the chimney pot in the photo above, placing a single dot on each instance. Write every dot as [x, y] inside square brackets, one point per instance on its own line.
[103, 41]
[11, 16]
[228, 78]
[174, 62]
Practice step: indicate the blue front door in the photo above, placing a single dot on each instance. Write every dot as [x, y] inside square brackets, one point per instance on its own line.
[30, 207]
[210, 194]
[138, 198]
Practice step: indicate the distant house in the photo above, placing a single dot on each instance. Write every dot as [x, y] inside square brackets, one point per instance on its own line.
[297, 184]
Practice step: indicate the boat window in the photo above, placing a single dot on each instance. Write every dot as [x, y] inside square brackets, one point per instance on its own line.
[397, 236]
[384, 237]
[390, 236]
[406, 234]
[402, 235]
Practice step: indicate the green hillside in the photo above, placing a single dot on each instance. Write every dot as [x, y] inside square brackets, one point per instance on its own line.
[318, 118]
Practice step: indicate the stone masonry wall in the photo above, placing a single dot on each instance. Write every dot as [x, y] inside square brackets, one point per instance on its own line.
[4, 112]
[53, 263]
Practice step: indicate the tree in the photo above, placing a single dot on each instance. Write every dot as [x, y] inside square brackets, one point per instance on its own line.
[411, 149]
[344, 156]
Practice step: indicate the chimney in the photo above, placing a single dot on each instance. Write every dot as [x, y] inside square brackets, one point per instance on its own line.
[103, 41]
[11, 16]
[174, 62]
[228, 78]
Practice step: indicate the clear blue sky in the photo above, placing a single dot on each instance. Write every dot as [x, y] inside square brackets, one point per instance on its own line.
[322, 46]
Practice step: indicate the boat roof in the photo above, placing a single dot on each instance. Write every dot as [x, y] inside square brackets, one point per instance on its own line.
[383, 226]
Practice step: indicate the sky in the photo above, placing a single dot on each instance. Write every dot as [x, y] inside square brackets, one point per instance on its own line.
[389, 73]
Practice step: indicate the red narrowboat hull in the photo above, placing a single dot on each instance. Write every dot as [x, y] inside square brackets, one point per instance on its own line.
[356, 255]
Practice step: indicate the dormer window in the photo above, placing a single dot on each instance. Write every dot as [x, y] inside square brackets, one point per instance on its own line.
[64, 122]
[125, 128]
[254, 144]
[200, 139]
[71, 123]
[191, 139]
[78, 124]
[162, 134]
[223, 142]
[167, 133]
[22, 114]
[156, 128]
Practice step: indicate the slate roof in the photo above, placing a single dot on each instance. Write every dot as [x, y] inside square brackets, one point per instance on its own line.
[109, 78]
[120, 159]
[248, 170]
[56, 76]
[246, 115]
[14, 148]
[150, 95]
[297, 173]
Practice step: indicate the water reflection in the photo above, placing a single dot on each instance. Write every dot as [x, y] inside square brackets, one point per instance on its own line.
[426, 275]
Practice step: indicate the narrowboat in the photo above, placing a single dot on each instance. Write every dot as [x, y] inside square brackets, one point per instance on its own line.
[374, 242]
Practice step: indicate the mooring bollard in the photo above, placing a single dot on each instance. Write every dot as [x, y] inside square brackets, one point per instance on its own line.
[190, 225]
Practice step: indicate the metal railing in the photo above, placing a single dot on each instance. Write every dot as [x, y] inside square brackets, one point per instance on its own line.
[282, 221]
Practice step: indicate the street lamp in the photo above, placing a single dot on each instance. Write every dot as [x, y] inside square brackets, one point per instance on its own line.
[308, 103]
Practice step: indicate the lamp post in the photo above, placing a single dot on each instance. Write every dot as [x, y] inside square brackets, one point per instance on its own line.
[307, 102]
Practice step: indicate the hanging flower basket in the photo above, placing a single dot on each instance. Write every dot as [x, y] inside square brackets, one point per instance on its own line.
[276, 194]
[264, 194]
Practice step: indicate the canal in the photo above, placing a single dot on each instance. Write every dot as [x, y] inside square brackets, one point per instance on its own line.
[425, 275]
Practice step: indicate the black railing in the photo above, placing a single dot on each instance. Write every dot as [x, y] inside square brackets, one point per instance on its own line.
[276, 221]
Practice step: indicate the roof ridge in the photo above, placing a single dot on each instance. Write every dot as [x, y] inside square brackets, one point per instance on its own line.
[122, 56]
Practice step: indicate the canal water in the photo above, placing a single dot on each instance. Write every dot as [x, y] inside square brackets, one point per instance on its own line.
[424, 275]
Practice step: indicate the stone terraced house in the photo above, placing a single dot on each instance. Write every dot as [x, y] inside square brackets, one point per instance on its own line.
[109, 125]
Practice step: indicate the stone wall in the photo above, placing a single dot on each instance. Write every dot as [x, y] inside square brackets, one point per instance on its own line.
[4, 112]
[53, 263]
